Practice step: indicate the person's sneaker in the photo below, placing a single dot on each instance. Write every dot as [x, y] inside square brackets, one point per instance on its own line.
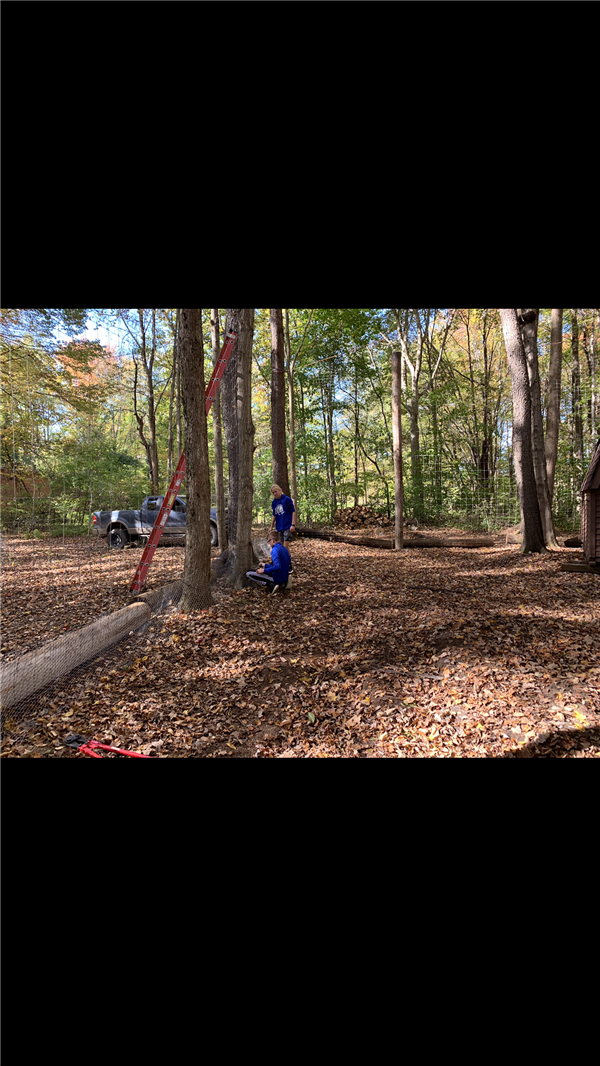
[275, 588]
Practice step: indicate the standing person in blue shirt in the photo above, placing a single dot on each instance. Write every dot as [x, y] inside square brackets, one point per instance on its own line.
[273, 575]
[283, 510]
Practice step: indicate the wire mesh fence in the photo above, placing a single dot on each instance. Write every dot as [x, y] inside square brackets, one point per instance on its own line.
[66, 611]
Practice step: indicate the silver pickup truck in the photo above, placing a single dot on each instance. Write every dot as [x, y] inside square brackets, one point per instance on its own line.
[127, 527]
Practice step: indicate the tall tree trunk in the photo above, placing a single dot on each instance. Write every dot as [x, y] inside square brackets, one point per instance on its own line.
[528, 317]
[588, 340]
[356, 437]
[595, 376]
[289, 367]
[244, 553]
[397, 440]
[278, 397]
[196, 576]
[171, 464]
[577, 449]
[576, 391]
[327, 412]
[533, 534]
[239, 431]
[412, 362]
[218, 437]
[139, 417]
[229, 397]
[333, 482]
[304, 457]
[178, 400]
[553, 397]
[148, 365]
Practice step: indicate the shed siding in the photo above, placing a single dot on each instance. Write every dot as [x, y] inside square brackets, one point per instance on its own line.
[586, 525]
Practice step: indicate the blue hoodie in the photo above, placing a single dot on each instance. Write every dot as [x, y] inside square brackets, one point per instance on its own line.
[279, 569]
[283, 512]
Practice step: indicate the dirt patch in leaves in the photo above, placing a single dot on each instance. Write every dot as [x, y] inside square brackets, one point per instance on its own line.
[432, 653]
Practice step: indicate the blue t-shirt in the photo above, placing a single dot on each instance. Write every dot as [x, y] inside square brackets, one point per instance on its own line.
[279, 569]
[283, 510]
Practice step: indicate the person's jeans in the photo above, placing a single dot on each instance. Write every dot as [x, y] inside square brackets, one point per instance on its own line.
[264, 581]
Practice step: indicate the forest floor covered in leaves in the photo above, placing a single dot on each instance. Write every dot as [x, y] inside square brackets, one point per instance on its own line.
[423, 653]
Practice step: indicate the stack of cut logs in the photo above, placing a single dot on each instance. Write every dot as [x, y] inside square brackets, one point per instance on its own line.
[358, 517]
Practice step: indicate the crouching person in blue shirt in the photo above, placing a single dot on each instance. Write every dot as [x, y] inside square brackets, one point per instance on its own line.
[274, 575]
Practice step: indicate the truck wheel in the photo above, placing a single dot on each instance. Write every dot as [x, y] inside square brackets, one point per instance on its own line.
[118, 538]
[214, 536]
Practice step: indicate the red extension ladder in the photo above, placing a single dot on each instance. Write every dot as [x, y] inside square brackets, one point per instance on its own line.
[141, 573]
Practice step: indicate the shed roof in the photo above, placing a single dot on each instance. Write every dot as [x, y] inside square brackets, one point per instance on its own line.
[592, 478]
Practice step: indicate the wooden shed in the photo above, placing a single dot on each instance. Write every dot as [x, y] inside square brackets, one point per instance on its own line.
[590, 511]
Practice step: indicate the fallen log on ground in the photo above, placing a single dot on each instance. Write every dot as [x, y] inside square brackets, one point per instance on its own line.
[409, 542]
[32, 671]
[581, 568]
[159, 599]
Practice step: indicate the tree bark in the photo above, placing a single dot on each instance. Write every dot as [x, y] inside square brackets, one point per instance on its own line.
[218, 437]
[289, 366]
[239, 430]
[553, 397]
[229, 397]
[528, 317]
[148, 364]
[149, 443]
[589, 347]
[170, 464]
[278, 397]
[397, 441]
[576, 392]
[533, 534]
[327, 389]
[413, 366]
[244, 553]
[196, 575]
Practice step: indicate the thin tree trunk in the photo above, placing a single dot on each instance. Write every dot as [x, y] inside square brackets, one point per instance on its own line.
[196, 575]
[280, 465]
[140, 426]
[170, 463]
[356, 434]
[152, 404]
[230, 423]
[327, 411]
[576, 391]
[244, 553]
[291, 414]
[334, 503]
[218, 437]
[413, 366]
[588, 339]
[178, 401]
[594, 377]
[150, 443]
[553, 397]
[397, 440]
[577, 450]
[304, 456]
